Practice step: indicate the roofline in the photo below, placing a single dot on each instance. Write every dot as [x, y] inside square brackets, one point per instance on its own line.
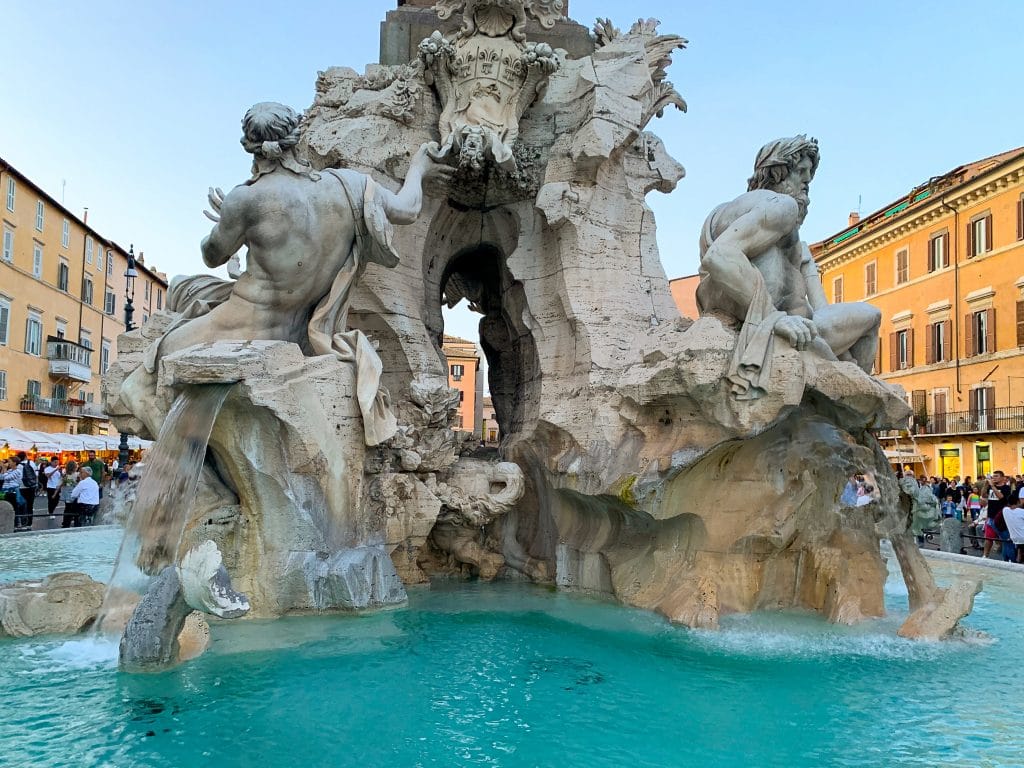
[684, 277]
[5, 165]
[916, 194]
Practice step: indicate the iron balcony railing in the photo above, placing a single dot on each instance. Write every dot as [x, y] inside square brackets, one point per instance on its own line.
[93, 411]
[50, 405]
[68, 360]
[1006, 419]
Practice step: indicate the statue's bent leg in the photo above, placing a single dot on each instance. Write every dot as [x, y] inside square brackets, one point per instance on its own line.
[851, 328]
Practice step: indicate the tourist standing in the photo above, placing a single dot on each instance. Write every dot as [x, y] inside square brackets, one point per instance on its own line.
[54, 478]
[10, 486]
[87, 496]
[70, 518]
[98, 469]
[1014, 517]
[29, 485]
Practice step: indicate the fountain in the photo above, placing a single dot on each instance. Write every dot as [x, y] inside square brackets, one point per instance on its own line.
[306, 464]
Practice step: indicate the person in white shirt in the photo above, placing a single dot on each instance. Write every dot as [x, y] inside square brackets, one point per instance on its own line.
[1013, 516]
[54, 479]
[87, 496]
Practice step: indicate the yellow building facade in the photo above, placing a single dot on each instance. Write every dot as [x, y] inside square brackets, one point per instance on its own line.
[945, 265]
[62, 298]
[465, 376]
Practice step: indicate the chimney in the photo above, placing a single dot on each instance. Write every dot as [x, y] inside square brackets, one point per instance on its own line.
[85, 216]
[854, 218]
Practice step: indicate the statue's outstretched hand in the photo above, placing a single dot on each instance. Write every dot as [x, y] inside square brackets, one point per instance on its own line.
[798, 331]
[216, 198]
[427, 160]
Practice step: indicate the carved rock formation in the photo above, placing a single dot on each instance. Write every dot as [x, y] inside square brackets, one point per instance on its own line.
[59, 604]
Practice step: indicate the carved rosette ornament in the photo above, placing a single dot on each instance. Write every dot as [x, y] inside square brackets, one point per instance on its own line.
[487, 76]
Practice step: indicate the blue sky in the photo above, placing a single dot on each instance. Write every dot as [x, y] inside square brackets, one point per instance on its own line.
[134, 109]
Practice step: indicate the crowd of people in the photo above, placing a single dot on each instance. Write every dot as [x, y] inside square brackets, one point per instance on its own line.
[991, 509]
[78, 486]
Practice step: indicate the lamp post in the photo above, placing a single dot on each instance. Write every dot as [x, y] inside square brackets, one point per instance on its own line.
[129, 312]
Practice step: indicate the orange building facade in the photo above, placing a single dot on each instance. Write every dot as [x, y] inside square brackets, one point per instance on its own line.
[945, 265]
[684, 294]
[62, 297]
[464, 374]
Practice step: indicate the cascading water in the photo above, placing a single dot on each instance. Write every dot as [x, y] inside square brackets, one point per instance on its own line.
[166, 490]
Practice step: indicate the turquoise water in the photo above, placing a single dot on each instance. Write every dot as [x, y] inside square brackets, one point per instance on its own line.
[515, 675]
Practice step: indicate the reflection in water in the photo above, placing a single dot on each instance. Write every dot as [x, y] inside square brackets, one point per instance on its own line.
[163, 500]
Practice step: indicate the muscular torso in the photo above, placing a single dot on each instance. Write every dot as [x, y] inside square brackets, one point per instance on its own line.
[778, 261]
[299, 234]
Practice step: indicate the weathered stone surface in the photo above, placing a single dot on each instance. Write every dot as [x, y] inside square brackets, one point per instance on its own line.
[150, 640]
[352, 579]
[938, 619]
[950, 539]
[60, 604]
[6, 517]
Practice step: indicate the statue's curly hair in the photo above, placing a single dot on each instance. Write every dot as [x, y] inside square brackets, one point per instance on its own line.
[269, 128]
[777, 158]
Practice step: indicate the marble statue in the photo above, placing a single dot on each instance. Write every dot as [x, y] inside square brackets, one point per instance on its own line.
[693, 467]
[757, 271]
[924, 510]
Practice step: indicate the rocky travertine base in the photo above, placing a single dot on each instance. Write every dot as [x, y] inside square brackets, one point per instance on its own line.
[60, 604]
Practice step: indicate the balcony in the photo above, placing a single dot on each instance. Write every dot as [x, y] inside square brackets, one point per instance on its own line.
[984, 420]
[68, 360]
[50, 406]
[93, 411]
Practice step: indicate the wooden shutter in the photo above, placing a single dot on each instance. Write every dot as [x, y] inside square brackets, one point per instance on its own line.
[1020, 323]
[990, 401]
[910, 348]
[990, 330]
[974, 402]
[970, 240]
[1020, 219]
[894, 352]
[947, 340]
[969, 334]
[988, 233]
[878, 357]
[939, 403]
[929, 344]
[945, 249]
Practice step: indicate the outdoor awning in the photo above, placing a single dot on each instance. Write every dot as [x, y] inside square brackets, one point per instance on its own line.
[46, 442]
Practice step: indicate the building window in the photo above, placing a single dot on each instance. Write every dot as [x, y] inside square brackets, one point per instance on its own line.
[870, 279]
[837, 290]
[458, 371]
[62, 276]
[148, 290]
[65, 234]
[62, 329]
[10, 194]
[901, 349]
[85, 338]
[88, 250]
[33, 388]
[34, 334]
[109, 301]
[462, 395]
[8, 245]
[938, 342]
[104, 355]
[982, 401]
[5, 319]
[938, 251]
[60, 392]
[87, 290]
[980, 338]
[1020, 323]
[159, 298]
[1020, 218]
[3, 385]
[37, 261]
[979, 235]
[39, 215]
[458, 421]
[110, 263]
[902, 266]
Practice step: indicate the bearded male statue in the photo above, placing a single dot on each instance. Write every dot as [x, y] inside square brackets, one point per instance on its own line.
[756, 270]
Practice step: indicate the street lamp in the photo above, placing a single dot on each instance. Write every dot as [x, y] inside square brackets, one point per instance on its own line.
[129, 311]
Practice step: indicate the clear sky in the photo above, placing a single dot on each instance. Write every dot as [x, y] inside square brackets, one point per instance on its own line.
[133, 109]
